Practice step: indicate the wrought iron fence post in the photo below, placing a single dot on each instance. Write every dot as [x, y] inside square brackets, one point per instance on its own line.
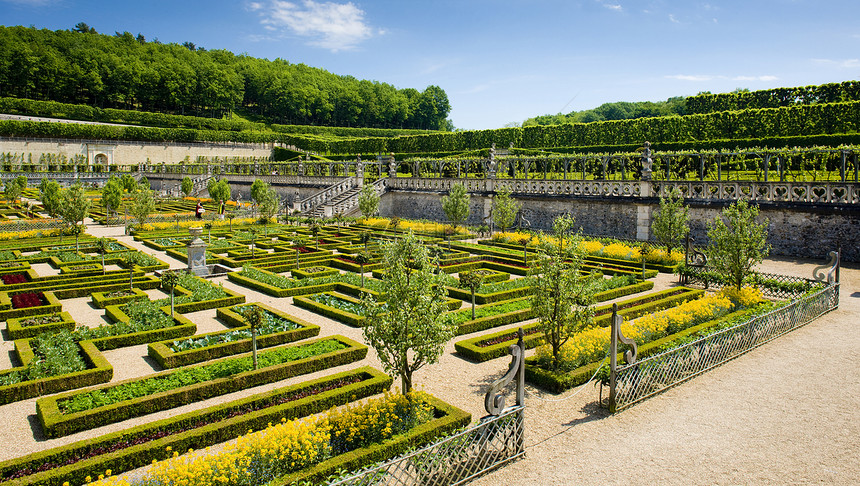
[629, 357]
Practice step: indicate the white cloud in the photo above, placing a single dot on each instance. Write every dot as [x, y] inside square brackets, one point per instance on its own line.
[709, 77]
[691, 77]
[330, 25]
[754, 78]
[615, 7]
[839, 63]
[673, 19]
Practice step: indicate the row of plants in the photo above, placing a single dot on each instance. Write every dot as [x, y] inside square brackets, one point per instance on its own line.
[28, 327]
[585, 350]
[312, 449]
[138, 446]
[71, 412]
[277, 328]
[54, 353]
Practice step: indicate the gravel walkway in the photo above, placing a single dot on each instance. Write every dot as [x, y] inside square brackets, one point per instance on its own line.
[765, 417]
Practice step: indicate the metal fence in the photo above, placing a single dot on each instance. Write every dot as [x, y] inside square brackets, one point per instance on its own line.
[642, 379]
[455, 459]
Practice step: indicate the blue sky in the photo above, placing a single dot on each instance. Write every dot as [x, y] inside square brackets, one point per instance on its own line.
[504, 61]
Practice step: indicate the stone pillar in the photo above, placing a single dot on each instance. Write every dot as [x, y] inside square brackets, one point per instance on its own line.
[197, 253]
[359, 172]
[643, 221]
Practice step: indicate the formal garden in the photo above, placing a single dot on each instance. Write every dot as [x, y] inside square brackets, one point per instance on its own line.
[140, 346]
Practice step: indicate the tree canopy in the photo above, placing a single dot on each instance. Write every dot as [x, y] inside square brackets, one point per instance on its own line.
[125, 71]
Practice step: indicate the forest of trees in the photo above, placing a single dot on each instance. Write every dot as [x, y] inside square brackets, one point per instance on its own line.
[126, 71]
[620, 110]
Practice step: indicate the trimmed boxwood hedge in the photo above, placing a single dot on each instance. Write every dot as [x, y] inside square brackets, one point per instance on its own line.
[8, 312]
[183, 327]
[98, 371]
[167, 358]
[559, 382]
[275, 291]
[447, 419]
[348, 318]
[469, 347]
[17, 331]
[56, 424]
[301, 273]
[101, 301]
[220, 430]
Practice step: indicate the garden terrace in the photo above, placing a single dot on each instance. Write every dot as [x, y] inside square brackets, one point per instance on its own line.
[277, 328]
[139, 446]
[70, 412]
[65, 286]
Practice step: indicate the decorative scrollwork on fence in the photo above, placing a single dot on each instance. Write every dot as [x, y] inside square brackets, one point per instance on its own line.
[630, 354]
[829, 277]
[494, 402]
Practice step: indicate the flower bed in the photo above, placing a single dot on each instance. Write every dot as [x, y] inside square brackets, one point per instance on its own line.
[139, 446]
[97, 370]
[23, 304]
[314, 272]
[116, 297]
[28, 327]
[343, 308]
[315, 448]
[68, 413]
[28, 299]
[14, 278]
[587, 349]
[277, 328]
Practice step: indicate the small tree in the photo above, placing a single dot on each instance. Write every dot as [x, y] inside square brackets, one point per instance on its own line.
[208, 228]
[315, 230]
[411, 329]
[112, 196]
[505, 208]
[169, 279]
[368, 201]
[268, 207]
[472, 281]
[187, 186]
[365, 237]
[128, 183]
[299, 241]
[49, 194]
[130, 259]
[219, 190]
[258, 189]
[142, 205]
[737, 244]
[456, 204]
[362, 259]
[562, 299]
[525, 242]
[12, 191]
[75, 207]
[103, 246]
[254, 316]
[670, 224]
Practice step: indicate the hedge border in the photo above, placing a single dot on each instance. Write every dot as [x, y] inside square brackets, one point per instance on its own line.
[160, 351]
[56, 424]
[17, 331]
[470, 349]
[449, 418]
[99, 371]
[140, 455]
[8, 312]
[101, 301]
[557, 383]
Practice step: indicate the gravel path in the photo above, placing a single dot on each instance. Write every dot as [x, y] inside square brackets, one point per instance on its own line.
[767, 416]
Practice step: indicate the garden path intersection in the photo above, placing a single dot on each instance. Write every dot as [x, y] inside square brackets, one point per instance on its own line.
[785, 412]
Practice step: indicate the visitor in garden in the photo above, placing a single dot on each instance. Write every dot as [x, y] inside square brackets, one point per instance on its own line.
[198, 211]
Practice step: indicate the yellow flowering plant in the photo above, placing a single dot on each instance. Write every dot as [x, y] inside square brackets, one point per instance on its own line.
[289, 446]
[592, 345]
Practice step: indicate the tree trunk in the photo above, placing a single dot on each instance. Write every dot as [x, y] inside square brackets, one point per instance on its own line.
[406, 382]
[254, 345]
[473, 304]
